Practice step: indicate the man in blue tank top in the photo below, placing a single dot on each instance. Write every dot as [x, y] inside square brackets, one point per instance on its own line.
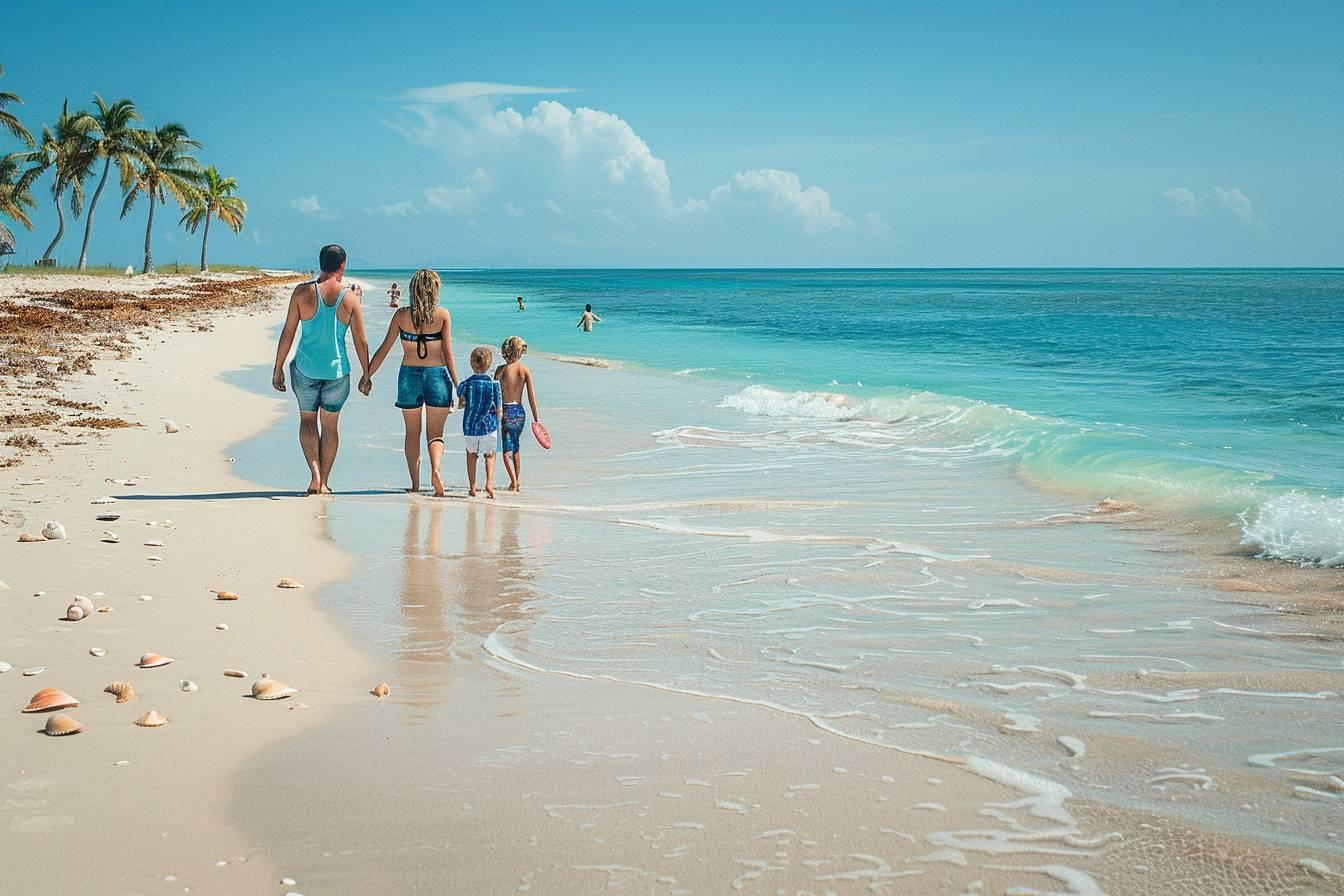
[321, 311]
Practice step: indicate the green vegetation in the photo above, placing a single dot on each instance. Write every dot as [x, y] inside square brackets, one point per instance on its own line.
[157, 163]
[177, 267]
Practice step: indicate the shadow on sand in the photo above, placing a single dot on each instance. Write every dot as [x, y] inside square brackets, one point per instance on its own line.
[260, 493]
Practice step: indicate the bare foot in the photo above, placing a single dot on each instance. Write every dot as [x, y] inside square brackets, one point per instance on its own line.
[314, 488]
[437, 481]
[489, 490]
[326, 490]
[471, 493]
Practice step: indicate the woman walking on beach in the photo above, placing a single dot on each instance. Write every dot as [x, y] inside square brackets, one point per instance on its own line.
[428, 377]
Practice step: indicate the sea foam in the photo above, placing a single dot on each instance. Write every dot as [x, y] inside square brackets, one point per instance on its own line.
[1298, 528]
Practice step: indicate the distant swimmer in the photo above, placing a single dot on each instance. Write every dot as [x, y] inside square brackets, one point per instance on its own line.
[521, 306]
[589, 318]
[393, 296]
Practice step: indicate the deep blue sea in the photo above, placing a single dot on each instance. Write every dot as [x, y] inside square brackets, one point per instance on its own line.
[1210, 392]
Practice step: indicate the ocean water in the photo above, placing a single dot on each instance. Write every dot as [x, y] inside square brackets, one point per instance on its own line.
[1211, 392]
[864, 498]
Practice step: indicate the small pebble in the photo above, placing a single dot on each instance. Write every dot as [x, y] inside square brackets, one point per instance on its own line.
[223, 626]
[288, 882]
[97, 651]
[147, 596]
[122, 762]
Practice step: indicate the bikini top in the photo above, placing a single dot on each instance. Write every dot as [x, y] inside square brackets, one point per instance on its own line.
[421, 350]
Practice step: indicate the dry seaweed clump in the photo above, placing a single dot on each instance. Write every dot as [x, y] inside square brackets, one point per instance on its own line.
[74, 405]
[102, 423]
[24, 441]
[30, 418]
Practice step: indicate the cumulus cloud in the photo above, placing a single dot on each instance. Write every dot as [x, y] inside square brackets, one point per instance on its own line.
[397, 209]
[1228, 202]
[308, 205]
[589, 171]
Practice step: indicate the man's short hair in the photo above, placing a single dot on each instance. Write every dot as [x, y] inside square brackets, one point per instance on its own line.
[331, 258]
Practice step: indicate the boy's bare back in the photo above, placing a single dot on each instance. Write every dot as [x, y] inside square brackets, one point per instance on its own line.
[513, 377]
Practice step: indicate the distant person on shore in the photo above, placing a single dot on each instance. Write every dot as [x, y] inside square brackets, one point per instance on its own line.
[589, 318]
[321, 311]
[393, 296]
[427, 374]
[483, 408]
[521, 306]
[513, 377]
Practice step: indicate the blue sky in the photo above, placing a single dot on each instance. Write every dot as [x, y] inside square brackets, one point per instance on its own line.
[698, 135]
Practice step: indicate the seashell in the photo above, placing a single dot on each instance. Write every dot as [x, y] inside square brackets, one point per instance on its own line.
[169, 426]
[74, 612]
[106, 609]
[35, 670]
[235, 673]
[153, 544]
[151, 719]
[156, 558]
[124, 482]
[146, 597]
[48, 699]
[83, 603]
[53, 531]
[29, 538]
[225, 595]
[110, 537]
[108, 517]
[105, 499]
[381, 691]
[188, 686]
[269, 689]
[223, 626]
[60, 725]
[122, 689]
[5, 667]
[153, 661]
[287, 583]
[97, 651]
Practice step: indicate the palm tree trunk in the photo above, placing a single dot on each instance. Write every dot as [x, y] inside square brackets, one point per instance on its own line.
[60, 231]
[149, 228]
[88, 222]
[205, 267]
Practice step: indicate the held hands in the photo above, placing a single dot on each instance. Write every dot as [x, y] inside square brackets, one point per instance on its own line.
[365, 384]
[278, 379]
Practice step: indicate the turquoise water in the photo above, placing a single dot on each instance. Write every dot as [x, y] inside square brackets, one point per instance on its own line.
[1213, 392]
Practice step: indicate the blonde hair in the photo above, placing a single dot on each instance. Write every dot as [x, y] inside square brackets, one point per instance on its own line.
[513, 348]
[424, 297]
[480, 358]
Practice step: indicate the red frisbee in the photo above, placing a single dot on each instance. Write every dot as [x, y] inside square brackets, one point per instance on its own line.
[543, 437]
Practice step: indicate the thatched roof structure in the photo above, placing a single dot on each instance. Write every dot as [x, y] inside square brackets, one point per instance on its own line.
[6, 241]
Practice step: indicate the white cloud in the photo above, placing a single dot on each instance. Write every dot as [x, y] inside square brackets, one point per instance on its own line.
[512, 210]
[308, 205]
[1228, 202]
[462, 91]
[397, 209]
[782, 193]
[873, 223]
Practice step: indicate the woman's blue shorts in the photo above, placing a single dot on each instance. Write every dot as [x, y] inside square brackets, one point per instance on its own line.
[420, 386]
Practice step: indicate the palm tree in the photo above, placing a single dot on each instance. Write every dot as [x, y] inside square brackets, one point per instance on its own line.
[7, 119]
[64, 150]
[163, 167]
[113, 144]
[14, 192]
[215, 200]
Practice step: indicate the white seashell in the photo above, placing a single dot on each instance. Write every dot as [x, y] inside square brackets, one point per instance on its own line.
[146, 597]
[5, 667]
[35, 670]
[121, 762]
[123, 481]
[97, 651]
[105, 499]
[74, 612]
[98, 594]
[3, 587]
[155, 558]
[110, 537]
[187, 686]
[153, 544]
[169, 426]
[223, 626]
[82, 603]
[53, 531]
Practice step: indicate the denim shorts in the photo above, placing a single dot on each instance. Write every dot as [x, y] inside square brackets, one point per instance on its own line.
[418, 386]
[329, 395]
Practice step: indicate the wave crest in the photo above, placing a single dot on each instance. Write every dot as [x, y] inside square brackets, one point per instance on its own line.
[1298, 528]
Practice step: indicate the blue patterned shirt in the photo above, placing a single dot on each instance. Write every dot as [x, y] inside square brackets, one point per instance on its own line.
[483, 404]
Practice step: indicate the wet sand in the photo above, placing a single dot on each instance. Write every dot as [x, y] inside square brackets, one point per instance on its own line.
[478, 773]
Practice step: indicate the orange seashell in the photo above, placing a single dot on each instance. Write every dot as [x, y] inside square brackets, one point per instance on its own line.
[153, 661]
[225, 595]
[48, 699]
[151, 719]
[122, 689]
[30, 538]
[60, 725]
[381, 691]
[235, 673]
[269, 689]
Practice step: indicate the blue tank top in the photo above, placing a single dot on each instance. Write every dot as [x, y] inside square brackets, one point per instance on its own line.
[322, 354]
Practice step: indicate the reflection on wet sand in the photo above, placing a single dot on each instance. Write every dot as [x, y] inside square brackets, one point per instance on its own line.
[447, 595]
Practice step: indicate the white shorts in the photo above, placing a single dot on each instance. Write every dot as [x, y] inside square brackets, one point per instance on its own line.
[483, 445]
